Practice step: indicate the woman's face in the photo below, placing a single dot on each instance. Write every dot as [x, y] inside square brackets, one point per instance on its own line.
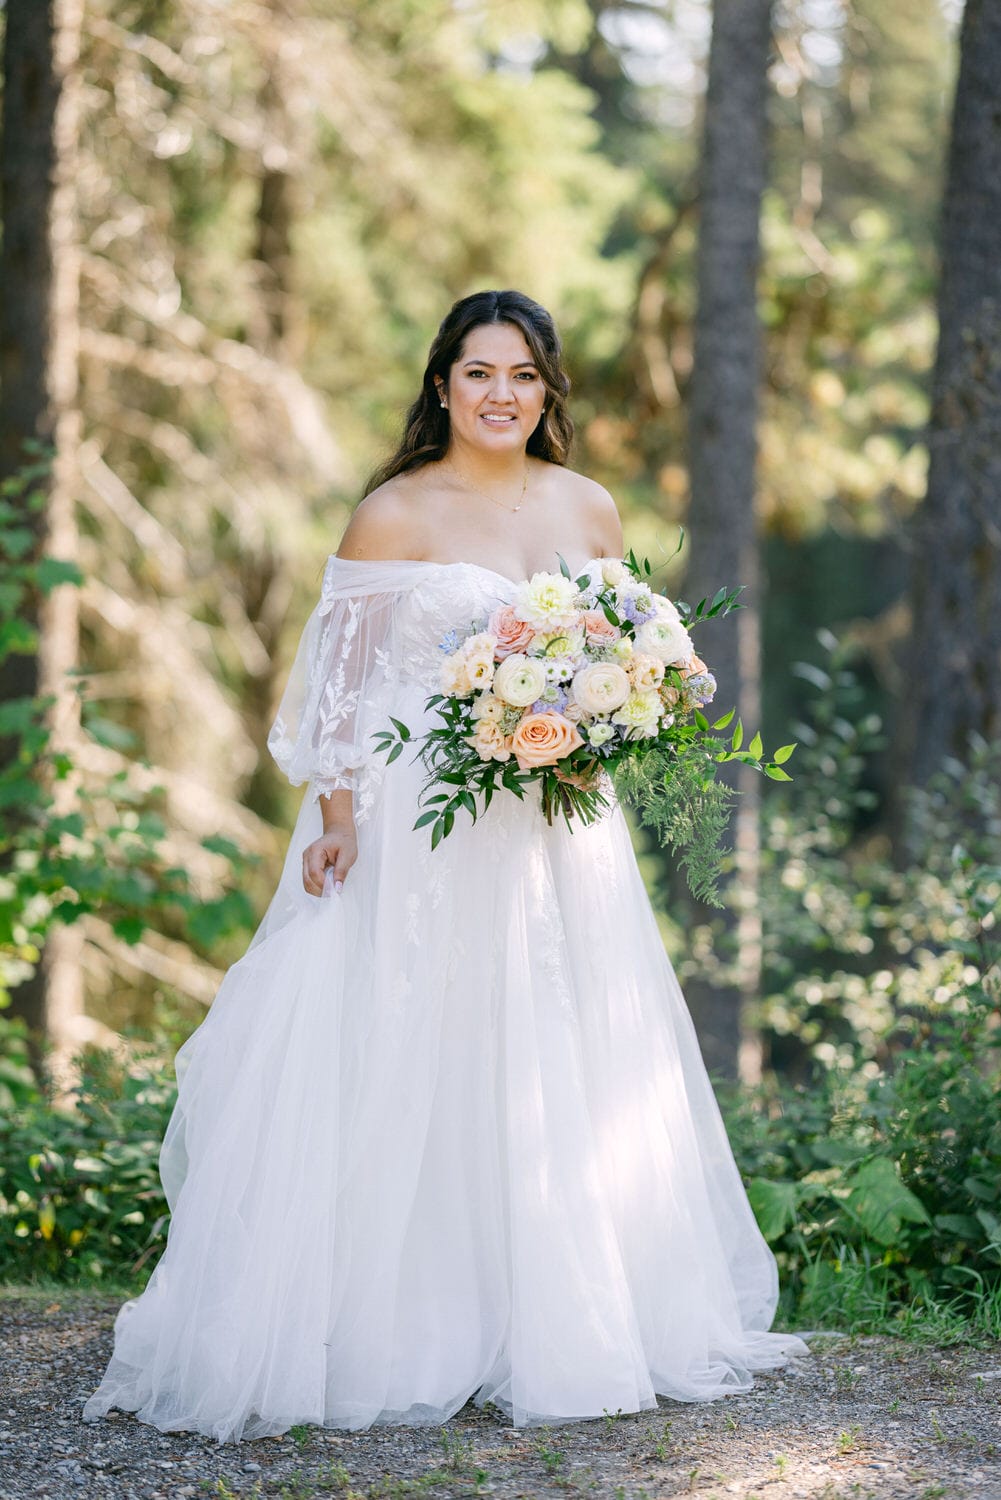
[495, 393]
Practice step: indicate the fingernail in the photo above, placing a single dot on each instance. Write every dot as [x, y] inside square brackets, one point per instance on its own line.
[338, 886]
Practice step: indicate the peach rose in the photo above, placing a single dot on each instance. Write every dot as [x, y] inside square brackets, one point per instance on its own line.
[600, 632]
[543, 739]
[512, 634]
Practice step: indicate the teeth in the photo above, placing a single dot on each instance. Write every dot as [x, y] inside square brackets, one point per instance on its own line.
[497, 420]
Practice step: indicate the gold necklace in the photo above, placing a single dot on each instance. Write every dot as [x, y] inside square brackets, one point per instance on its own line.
[509, 508]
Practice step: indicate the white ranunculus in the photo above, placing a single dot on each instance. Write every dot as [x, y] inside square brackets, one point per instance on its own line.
[600, 687]
[667, 639]
[519, 679]
[666, 610]
[547, 601]
[613, 571]
[600, 733]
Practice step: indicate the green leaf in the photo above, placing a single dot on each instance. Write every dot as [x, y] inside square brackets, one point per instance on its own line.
[725, 721]
[701, 722]
[426, 818]
[755, 748]
[776, 773]
[52, 571]
[130, 929]
[775, 1205]
[783, 753]
[404, 731]
[737, 738]
[881, 1202]
[396, 750]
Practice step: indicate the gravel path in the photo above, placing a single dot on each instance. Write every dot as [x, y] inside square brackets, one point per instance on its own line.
[865, 1417]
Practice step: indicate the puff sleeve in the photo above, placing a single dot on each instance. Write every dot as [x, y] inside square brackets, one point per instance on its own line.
[340, 688]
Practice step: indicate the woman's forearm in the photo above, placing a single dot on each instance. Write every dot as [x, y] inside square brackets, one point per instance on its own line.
[337, 809]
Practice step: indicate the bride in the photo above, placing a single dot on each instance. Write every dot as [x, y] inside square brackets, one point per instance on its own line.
[445, 1132]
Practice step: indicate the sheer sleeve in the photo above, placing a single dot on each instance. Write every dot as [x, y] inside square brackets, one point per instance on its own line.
[341, 684]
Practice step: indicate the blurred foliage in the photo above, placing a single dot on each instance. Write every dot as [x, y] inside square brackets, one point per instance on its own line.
[74, 846]
[80, 1194]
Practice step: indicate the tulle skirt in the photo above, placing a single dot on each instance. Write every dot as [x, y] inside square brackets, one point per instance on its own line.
[446, 1136]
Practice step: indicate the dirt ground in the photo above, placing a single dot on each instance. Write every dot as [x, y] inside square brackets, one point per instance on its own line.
[864, 1417]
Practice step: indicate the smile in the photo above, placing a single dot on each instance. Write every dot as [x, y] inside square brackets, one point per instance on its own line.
[495, 420]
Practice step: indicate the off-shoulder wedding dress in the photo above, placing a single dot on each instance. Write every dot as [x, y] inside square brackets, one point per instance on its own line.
[448, 1134]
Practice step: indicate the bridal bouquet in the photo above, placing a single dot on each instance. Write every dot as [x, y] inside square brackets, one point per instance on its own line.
[574, 684]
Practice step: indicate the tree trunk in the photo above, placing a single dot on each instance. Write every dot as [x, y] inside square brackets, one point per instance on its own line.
[39, 332]
[723, 448]
[953, 686]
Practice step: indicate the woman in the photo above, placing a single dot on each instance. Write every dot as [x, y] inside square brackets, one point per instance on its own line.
[445, 1132]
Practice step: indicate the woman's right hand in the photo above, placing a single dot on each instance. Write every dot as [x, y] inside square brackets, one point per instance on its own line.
[336, 849]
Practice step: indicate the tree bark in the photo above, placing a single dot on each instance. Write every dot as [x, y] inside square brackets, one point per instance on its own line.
[953, 685]
[723, 449]
[39, 336]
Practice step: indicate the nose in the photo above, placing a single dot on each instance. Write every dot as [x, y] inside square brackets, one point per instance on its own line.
[501, 391]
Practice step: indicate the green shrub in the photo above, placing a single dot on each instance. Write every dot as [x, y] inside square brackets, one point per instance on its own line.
[879, 1186]
[80, 1194]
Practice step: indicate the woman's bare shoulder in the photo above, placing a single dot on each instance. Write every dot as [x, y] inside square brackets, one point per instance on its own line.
[597, 505]
[383, 524]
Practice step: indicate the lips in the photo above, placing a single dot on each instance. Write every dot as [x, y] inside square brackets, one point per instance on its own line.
[497, 419]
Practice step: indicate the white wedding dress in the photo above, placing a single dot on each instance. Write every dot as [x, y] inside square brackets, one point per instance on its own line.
[448, 1134]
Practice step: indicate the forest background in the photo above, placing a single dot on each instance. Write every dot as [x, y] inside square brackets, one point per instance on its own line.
[260, 212]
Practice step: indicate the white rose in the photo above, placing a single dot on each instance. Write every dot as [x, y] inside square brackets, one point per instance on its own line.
[667, 639]
[600, 733]
[600, 687]
[613, 571]
[547, 601]
[519, 679]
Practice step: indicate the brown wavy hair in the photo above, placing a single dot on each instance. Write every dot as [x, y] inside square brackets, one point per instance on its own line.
[426, 433]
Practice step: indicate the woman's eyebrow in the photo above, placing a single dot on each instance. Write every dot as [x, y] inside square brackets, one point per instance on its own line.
[487, 363]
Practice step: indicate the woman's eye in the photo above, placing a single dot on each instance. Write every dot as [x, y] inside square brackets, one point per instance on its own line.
[526, 375]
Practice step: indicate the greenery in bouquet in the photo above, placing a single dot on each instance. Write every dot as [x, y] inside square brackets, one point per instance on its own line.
[576, 685]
